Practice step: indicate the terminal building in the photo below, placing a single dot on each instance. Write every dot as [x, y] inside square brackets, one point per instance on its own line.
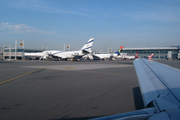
[19, 54]
[159, 52]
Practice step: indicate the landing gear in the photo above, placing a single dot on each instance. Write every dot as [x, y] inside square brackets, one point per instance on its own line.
[74, 59]
[59, 59]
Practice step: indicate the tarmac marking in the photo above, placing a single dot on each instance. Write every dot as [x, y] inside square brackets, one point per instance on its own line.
[80, 67]
[20, 76]
[109, 73]
[69, 68]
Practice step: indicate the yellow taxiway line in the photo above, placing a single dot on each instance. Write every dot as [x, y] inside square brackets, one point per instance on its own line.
[19, 76]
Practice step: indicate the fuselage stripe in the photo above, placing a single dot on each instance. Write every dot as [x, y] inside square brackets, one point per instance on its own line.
[90, 41]
[86, 48]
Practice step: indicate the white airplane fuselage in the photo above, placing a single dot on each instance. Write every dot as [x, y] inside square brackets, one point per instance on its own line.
[105, 56]
[130, 57]
[68, 54]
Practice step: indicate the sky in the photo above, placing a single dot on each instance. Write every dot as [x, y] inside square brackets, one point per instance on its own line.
[112, 23]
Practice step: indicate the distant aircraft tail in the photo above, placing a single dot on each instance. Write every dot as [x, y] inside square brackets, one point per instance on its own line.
[87, 47]
[119, 50]
[150, 56]
[136, 56]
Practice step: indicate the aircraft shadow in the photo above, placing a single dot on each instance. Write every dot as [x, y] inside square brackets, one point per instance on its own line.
[80, 118]
[138, 98]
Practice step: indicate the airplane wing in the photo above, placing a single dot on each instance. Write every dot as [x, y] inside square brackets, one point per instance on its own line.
[160, 89]
[86, 52]
[97, 56]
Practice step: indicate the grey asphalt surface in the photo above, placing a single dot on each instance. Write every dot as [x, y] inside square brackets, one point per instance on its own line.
[64, 90]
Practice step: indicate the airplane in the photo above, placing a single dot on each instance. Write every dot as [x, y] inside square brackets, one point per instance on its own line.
[150, 56]
[108, 56]
[48, 54]
[160, 89]
[131, 57]
[73, 55]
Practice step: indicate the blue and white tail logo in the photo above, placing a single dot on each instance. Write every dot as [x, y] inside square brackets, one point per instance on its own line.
[88, 45]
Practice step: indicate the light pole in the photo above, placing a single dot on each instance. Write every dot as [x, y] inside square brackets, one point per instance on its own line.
[22, 44]
[44, 48]
[109, 50]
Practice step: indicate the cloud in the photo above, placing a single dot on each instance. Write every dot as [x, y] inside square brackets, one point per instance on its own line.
[36, 5]
[20, 28]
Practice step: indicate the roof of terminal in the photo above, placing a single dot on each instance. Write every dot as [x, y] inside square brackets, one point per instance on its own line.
[154, 48]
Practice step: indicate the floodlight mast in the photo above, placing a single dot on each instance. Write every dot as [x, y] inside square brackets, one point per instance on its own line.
[66, 45]
[44, 48]
[16, 47]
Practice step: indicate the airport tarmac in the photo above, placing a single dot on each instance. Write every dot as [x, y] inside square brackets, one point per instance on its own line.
[64, 90]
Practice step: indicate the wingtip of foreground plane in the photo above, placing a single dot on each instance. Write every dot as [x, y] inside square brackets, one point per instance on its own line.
[138, 59]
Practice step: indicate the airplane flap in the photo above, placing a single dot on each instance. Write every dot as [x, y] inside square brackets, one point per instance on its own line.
[148, 90]
[160, 116]
[164, 105]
